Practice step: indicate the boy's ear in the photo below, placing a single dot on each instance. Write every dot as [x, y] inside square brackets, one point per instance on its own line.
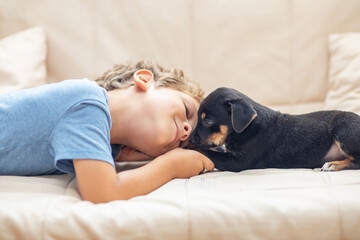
[143, 79]
[242, 114]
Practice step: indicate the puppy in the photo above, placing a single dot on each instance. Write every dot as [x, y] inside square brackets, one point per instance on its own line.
[237, 133]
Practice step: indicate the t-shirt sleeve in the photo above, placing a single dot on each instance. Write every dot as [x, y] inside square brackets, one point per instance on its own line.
[83, 132]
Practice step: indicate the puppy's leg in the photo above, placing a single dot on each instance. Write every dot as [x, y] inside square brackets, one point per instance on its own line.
[345, 128]
[340, 165]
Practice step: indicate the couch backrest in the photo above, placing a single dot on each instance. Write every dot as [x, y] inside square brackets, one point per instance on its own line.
[274, 51]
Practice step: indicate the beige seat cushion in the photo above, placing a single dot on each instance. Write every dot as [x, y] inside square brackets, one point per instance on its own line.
[22, 60]
[272, 204]
[344, 73]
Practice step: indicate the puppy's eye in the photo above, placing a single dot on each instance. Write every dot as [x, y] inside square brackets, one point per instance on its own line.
[207, 122]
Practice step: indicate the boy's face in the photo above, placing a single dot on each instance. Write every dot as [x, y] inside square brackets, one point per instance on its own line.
[165, 120]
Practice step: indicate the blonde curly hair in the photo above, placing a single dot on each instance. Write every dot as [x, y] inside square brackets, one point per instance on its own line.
[120, 76]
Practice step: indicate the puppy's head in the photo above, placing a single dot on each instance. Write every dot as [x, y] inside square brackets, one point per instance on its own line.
[222, 112]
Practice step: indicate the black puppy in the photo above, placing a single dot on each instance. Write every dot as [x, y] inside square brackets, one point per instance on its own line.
[237, 133]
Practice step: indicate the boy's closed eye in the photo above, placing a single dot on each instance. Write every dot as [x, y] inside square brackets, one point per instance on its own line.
[187, 112]
[190, 111]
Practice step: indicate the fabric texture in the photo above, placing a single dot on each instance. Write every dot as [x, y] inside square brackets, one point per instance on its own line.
[272, 204]
[44, 128]
[22, 60]
[344, 73]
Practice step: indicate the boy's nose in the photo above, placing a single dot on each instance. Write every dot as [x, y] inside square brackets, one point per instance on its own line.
[187, 131]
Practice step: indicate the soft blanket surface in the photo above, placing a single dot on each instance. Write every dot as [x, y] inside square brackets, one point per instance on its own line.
[253, 204]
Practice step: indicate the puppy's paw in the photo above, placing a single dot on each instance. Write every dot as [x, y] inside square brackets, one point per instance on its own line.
[337, 165]
[328, 166]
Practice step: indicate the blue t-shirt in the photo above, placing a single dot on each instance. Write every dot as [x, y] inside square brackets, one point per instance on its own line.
[43, 129]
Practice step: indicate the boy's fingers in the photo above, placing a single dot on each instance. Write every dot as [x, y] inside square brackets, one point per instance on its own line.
[208, 164]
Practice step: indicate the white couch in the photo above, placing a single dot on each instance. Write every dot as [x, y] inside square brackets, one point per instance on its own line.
[278, 52]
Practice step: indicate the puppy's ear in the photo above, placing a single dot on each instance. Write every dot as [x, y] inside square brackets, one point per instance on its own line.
[242, 114]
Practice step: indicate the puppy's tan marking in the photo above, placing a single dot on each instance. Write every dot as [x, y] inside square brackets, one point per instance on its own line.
[339, 146]
[219, 137]
[338, 165]
[203, 115]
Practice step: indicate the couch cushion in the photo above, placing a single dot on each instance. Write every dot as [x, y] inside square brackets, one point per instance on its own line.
[276, 53]
[254, 204]
[344, 72]
[22, 60]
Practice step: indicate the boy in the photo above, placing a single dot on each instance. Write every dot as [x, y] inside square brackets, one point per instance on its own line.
[68, 127]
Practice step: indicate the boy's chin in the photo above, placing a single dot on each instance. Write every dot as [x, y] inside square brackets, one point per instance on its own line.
[128, 150]
[185, 144]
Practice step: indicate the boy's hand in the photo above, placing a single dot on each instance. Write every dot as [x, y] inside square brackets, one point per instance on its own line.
[186, 163]
[99, 182]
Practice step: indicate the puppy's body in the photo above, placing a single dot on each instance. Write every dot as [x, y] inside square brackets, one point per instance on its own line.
[237, 133]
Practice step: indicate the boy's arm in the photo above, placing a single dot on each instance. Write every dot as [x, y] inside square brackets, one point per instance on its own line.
[99, 182]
